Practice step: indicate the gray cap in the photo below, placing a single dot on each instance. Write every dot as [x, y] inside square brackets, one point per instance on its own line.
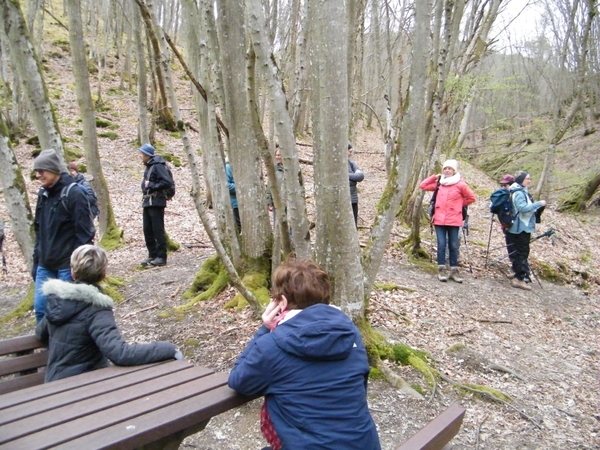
[48, 160]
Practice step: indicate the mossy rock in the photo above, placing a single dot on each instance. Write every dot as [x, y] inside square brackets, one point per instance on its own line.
[172, 246]
[63, 44]
[72, 153]
[109, 286]
[109, 135]
[103, 123]
[112, 238]
[23, 308]
[172, 159]
[546, 272]
[35, 141]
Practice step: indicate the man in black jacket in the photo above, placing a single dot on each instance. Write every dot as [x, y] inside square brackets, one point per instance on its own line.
[63, 222]
[156, 181]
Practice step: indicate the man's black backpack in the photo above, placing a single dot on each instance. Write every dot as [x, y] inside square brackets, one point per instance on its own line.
[170, 190]
[502, 206]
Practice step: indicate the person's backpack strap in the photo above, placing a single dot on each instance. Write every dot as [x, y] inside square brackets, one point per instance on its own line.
[64, 195]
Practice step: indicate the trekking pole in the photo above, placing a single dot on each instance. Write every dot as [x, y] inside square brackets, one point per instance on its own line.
[536, 277]
[549, 232]
[487, 251]
[465, 230]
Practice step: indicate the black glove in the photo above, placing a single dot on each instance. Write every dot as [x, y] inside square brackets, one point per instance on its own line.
[538, 214]
[34, 271]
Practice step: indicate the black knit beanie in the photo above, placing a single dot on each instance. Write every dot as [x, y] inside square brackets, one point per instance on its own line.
[48, 160]
[521, 177]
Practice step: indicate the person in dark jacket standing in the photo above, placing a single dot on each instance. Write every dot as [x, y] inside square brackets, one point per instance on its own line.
[61, 224]
[355, 175]
[310, 363]
[79, 326]
[156, 180]
[89, 191]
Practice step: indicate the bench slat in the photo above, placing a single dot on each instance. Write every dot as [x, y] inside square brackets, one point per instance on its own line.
[20, 363]
[147, 428]
[67, 404]
[56, 387]
[22, 382]
[437, 433]
[20, 344]
[105, 417]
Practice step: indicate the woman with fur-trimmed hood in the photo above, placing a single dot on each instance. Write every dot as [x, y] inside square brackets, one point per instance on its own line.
[79, 325]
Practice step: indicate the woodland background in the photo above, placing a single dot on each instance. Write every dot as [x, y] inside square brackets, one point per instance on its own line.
[409, 84]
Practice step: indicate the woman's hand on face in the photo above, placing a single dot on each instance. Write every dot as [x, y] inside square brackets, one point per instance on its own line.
[270, 317]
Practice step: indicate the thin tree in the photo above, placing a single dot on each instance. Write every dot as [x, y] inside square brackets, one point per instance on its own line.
[109, 231]
[26, 63]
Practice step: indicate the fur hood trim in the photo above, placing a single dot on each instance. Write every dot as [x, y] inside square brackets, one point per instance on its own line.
[82, 292]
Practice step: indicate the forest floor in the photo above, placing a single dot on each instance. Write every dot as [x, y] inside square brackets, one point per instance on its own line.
[538, 347]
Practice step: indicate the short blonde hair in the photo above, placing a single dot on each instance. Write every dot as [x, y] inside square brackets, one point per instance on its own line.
[89, 263]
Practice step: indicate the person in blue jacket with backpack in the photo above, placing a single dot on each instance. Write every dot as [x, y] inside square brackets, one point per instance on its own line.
[62, 223]
[309, 362]
[518, 236]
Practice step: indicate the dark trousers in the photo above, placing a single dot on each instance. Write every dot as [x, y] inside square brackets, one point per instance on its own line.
[238, 222]
[355, 213]
[154, 231]
[509, 250]
[518, 247]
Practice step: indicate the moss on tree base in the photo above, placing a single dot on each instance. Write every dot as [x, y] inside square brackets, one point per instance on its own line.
[209, 281]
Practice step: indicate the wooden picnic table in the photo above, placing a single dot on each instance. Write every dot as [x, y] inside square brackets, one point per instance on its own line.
[154, 406]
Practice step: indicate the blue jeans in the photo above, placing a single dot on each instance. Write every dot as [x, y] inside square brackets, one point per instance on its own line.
[39, 299]
[447, 235]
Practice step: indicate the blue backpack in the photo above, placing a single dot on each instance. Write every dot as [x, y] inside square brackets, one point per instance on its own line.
[502, 206]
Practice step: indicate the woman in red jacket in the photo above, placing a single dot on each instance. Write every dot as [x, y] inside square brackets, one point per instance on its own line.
[452, 194]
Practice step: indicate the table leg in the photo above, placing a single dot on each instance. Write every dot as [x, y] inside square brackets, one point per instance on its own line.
[173, 441]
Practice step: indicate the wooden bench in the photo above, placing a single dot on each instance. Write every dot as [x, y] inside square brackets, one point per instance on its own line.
[20, 359]
[437, 434]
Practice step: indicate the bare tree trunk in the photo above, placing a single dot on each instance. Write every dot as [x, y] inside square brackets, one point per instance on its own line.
[142, 83]
[16, 200]
[296, 207]
[243, 148]
[198, 27]
[336, 242]
[163, 113]
[26, 63]
[88, 119]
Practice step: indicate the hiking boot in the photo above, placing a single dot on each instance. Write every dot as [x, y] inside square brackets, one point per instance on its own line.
[454, 275]
[159, 262]
[442, 273]
[146, 262]
[520, 284]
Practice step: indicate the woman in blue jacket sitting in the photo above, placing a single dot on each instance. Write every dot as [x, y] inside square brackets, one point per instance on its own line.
[309, 362]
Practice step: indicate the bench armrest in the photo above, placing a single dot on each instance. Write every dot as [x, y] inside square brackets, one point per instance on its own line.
[437, 433]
